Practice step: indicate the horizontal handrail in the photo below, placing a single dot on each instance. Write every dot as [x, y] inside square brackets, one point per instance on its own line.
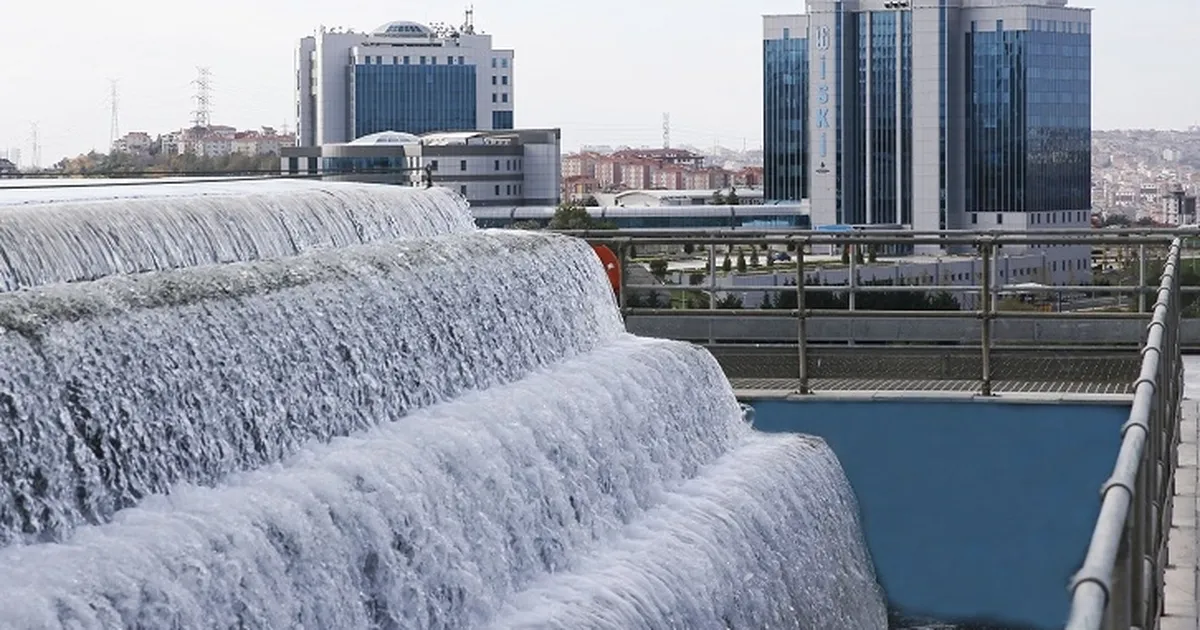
[1120, 583]
[1108, 591]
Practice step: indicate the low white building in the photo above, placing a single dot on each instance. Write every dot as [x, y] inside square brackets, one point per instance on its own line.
[656, 198]
[519, 167]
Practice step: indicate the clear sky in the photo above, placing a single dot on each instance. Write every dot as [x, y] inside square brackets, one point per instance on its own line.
[603, 71]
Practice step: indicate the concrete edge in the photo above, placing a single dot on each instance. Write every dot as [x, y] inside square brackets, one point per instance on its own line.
[1011, 398]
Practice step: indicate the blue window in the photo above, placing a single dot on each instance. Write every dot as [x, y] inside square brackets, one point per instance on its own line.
[1029, 120]
[502, 120]
[504, 80]
[504, 97]
[412, 99]
[785, 116]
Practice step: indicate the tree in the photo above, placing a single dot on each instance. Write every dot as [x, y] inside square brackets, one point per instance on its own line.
[858, 255]
[732, 198]
[754, 257]
[730, 301]
[697, 279]
[525, 225]
[727, 265]
[770, 261]
[591, 202]
[846, 255]
[570, 216]
[658, 267]
[717, 199]
[741, 263]
[689, 248]
[872, 254]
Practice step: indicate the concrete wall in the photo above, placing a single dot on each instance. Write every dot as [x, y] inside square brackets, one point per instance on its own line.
[972, 511]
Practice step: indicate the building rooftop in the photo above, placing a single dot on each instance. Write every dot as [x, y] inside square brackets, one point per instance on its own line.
[386, 137]
[403, 30]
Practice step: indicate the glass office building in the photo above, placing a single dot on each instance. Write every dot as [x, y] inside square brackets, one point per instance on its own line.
[414, 99]
[785, 108]
[1029, 119]
[404, 77]
[952, 114]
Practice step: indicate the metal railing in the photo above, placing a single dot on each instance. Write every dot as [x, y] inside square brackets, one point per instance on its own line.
[1121, 582]
[986, 292]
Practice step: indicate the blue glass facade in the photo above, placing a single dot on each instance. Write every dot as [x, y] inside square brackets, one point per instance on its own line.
[785, 116]
[413, 99]
[502, 120]
[878, 170]
[1028, 130]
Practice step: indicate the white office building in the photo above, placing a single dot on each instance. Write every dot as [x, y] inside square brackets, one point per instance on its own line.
[403, 76]
[521, 167]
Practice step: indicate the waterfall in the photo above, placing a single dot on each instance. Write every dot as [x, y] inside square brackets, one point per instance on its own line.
[119, 388]
[425, 523]
[169, 227]
[751, 543]
[305, 405]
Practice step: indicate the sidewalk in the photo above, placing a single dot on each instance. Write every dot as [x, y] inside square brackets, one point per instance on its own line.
[1182, 597]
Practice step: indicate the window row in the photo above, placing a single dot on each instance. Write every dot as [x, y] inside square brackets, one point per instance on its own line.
[423, 60]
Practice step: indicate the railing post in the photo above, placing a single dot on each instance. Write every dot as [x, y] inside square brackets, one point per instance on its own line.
[801, 318]
[622, 298]
[985, 310]
[1142, 552]
[1117, 616]
[852, 282]
[1141, 278]
[712, 290]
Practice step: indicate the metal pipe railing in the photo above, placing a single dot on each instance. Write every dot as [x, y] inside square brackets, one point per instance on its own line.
[1120, 583]
[985, 290]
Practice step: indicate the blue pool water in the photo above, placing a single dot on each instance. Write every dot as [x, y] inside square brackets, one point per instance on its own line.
[972, 511]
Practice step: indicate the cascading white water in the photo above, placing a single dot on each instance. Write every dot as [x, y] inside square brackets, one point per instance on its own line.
[751, 543]
[191, 225]
[424, 433]
[425, 523]
[190, 375]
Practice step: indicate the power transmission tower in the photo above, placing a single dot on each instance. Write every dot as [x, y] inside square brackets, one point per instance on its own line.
[114, 130]
[37, 146]
[666, 130]
[202, 117]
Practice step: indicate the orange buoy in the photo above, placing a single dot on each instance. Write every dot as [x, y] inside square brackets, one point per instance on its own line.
[612, 266]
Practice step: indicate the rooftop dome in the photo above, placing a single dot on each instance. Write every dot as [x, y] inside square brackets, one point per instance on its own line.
[387, 137]
[403, 29]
